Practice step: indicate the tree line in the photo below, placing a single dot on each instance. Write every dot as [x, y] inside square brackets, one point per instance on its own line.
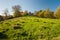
[48, 13]
[41, 13]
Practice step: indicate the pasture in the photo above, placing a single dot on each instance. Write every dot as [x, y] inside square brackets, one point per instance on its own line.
[30, 28]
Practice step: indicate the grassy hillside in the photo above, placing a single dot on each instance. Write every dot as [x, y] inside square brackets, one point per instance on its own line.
[29, 28]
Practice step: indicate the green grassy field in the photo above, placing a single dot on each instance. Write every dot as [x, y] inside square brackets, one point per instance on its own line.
[30, 28]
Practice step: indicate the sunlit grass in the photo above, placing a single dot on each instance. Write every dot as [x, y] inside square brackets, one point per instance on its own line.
[30, 28]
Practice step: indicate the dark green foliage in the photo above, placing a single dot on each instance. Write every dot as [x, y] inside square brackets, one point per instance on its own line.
[45, 22]
[29, 14]
[10, 17]
[17, 27]
[5, 30]
[1, 18]
[52, 23]
[24, 33]
[23, 22]
[3, 36]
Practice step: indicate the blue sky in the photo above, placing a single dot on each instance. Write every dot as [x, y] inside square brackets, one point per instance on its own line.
[30, 5]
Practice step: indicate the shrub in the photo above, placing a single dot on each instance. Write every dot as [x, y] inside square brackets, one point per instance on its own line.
[10, 17]
[24, 13]
[17, 27]
[3, 36]
[1, 18]
[47, 13]
[41, 14]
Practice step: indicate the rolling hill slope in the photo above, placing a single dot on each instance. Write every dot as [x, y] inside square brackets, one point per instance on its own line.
[29, 28]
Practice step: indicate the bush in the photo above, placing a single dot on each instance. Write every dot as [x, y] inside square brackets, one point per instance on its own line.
[1, 18]
[41, 14]
[10, 17]
[3, 36]
[47, 13]
[24, 13]
[44, 13]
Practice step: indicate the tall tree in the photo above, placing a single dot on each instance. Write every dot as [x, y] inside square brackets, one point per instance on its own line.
[6, 14]
[16, 10]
